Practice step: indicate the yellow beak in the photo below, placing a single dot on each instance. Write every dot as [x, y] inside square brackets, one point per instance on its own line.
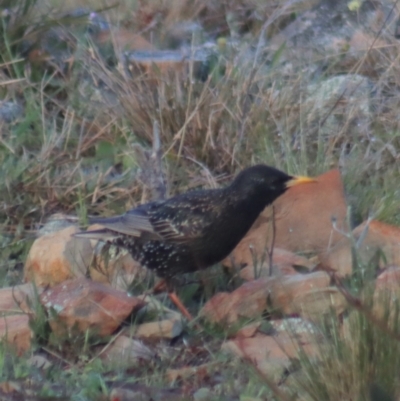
[299, 180]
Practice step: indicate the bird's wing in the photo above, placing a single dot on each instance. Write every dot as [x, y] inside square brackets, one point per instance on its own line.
[183, 220]
[172, 230]
[130, 223]
[165, 228]
[178, 220]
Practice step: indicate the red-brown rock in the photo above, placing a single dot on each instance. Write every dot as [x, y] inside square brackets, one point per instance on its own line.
[83, 304]
[15, 330]
[249, 300]
[307, 295]
[167, 328]
[389, 279]
[375, 237]
[301, 294]
[269, 353]
[188, 371]
[387, 294]
[56, 257]
[249, 330]
[125, 351]
[283, 263]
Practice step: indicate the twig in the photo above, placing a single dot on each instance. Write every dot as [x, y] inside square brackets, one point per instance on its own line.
[271, 252]
[151, 173]
[58, 356]
[210, 178]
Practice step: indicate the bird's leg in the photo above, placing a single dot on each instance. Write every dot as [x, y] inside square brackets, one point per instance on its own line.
[176, 300]
[178, 303]
[162, 286]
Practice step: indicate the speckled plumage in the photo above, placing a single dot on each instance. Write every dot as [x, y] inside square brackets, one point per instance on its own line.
[197, 229]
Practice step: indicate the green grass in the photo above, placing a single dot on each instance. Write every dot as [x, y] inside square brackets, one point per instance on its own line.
[359, 359]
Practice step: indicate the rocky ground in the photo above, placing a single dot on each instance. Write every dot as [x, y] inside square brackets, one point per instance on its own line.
[102, 109]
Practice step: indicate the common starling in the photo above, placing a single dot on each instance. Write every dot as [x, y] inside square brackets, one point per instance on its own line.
[197, 229]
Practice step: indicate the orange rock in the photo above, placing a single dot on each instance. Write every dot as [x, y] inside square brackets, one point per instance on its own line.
[281, 346]
[303, 220]
[8, 387]
[125, 351]
[19, 298]
[304, 294]
[248, 331]
[54, 258]
[269, 352]
[387, 294]
[283, 264]
[249, 300]
[188, 371]
[83, 304]
[15, 329]
[389, 279]
[315, 303]
[262, 351]
[383, 236]
[307, 295]
[167, 328]
[304, 214]
[288, 288]
[306, 342]
[376, 237]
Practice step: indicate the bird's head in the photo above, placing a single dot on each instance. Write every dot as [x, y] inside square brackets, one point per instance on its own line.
[265, 182]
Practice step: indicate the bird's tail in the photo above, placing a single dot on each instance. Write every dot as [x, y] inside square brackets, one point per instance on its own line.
[101, 234]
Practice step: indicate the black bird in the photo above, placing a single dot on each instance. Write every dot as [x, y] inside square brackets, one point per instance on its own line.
[196, 229]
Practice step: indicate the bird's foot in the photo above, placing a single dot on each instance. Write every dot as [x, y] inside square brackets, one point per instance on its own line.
[178, 303]
[164, 286]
